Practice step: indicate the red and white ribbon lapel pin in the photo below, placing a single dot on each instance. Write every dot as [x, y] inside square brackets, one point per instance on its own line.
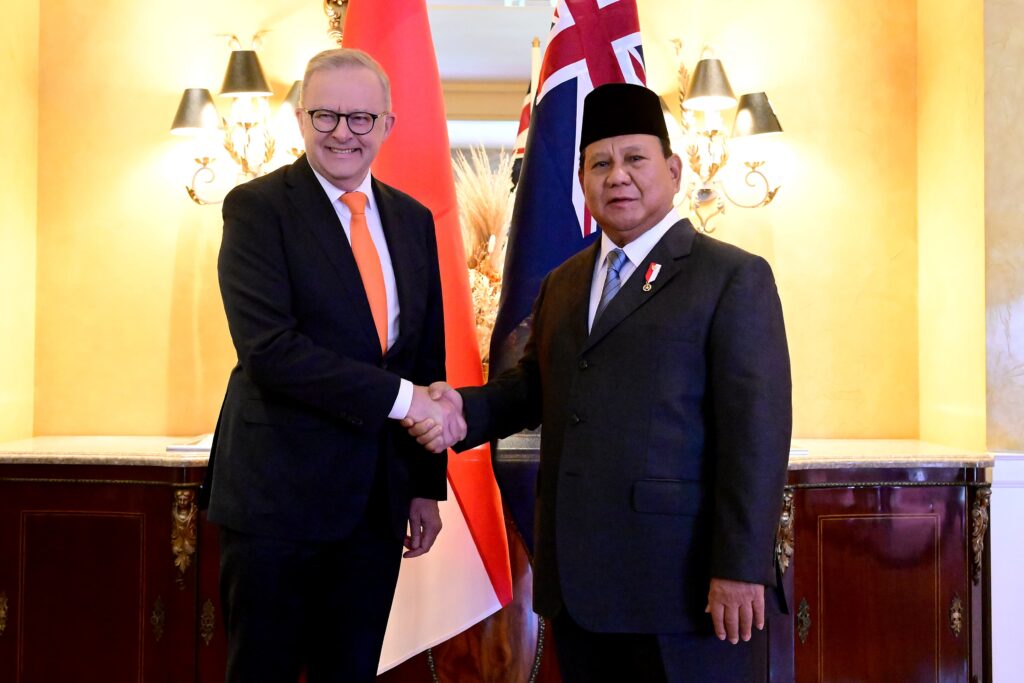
[652, 275]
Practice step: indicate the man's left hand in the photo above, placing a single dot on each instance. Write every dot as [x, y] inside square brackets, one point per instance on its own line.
[734, 607]
[424, 524]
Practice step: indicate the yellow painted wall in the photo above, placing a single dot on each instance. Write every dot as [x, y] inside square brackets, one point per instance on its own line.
[951, 222]
[19, 74]
[131, 337]
[841, 234]
[1004, 218]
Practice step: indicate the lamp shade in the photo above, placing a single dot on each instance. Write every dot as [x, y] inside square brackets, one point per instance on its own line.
[755, 116]
[196, 113]
[244, 77]
[709, 87]
[292, 98]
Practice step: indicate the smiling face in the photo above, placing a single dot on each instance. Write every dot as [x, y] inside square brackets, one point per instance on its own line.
[340, 156]
[628, 184]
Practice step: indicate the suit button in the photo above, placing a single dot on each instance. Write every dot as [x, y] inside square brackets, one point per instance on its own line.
[384, 365]
[576, 419]
[584, 364]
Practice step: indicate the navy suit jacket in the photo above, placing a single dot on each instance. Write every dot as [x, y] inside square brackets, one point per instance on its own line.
[666, 434]
[304, 423]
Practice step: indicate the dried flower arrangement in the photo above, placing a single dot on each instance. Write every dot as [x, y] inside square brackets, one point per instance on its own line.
[486, 197]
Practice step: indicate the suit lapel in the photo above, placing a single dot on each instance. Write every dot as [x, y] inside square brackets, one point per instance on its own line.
[579, 302]
[403, 261]
[311, 203]
[670, 252]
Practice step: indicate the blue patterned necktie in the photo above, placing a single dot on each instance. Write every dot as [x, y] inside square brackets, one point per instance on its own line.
[616, 259]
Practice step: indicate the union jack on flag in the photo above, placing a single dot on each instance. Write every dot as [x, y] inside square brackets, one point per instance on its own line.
[592, 42]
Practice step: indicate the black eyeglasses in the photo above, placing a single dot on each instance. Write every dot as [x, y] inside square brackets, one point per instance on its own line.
[359, 122]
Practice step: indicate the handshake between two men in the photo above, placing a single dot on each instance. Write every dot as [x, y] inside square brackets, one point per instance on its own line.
[435, 417]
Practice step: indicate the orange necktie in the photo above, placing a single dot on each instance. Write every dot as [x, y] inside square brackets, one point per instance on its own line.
[368, 262]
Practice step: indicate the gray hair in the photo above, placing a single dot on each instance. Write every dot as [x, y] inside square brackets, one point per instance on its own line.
[346, 57]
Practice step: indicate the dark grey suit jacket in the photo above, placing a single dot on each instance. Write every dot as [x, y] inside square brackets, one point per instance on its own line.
[304, 420]
[665, 439]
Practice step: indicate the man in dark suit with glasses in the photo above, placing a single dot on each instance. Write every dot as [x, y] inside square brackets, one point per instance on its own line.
[332, 291]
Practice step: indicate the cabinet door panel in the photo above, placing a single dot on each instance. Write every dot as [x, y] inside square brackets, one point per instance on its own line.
[95, 589]
[80, 617]
[881, 570]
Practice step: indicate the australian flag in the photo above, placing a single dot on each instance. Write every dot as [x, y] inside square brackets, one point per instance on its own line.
[592, 42]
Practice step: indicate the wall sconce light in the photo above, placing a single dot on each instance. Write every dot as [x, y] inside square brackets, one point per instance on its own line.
[249, 135]
[703, 97]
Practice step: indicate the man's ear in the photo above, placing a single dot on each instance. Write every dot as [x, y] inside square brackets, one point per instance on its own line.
[675, 169]
[389, 123]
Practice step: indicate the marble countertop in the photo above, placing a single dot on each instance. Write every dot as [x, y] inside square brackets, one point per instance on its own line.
[166, 451]
[147, 451]
[810, 454]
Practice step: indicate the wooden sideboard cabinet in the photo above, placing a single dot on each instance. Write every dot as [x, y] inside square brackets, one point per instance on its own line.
[100, 578]
[890, 576]
[109, 574]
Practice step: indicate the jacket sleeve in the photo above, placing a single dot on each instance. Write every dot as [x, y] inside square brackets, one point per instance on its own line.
[429, 470]
[513, 401]
[751, 402]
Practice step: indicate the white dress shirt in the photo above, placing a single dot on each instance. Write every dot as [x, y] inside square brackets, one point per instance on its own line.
[404, 398]
[636, 252]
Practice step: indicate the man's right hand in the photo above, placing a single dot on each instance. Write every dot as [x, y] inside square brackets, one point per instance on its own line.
[435, 417]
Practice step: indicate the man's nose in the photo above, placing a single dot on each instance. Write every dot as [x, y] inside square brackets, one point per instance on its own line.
[341, 132]
[617, 175]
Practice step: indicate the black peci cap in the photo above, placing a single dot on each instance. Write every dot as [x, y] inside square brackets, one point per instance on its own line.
[621, 109]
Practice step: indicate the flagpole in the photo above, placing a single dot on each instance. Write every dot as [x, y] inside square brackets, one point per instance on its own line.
[535, 65]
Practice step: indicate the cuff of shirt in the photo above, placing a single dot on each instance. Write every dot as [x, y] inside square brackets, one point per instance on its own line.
[402, 402]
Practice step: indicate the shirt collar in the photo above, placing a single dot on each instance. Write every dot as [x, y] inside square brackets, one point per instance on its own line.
[366, 187]
[638, 249]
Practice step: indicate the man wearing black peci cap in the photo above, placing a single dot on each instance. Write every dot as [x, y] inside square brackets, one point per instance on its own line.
[659, 368]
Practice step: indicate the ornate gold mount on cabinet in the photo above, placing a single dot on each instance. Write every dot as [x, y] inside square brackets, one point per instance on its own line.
[158, 618]
[979, 525]
[207, 621]
[784, 540]
[3, 612]
[803, 620]
[183, 532]
[956, 615]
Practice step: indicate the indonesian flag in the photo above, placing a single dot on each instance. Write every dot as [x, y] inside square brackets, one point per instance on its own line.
[466, 576]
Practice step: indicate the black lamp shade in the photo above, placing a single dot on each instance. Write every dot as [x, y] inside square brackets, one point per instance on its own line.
[755, 116]
[196, 113]
[709, 87]
[244, 77]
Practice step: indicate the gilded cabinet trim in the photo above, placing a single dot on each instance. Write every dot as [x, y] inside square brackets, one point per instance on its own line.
[207, 621]
[4, 606]
[158, 618]
[183, 532]
[784, 537]
[979, 525]
[803, 620]
[956, 615]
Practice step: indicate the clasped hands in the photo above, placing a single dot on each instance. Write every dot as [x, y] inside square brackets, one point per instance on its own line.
[435, 417]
